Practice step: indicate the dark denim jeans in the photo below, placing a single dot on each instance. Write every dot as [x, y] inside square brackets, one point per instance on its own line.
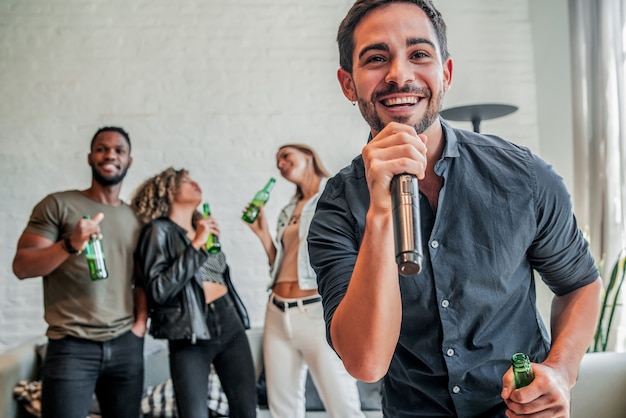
[229, 351]
[74, 369]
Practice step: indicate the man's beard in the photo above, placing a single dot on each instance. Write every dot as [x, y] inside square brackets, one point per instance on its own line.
[108, 181]
[368, 109]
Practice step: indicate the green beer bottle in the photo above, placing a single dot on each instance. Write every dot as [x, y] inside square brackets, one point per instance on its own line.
[260, 198]
[95, 258]
[213, 242]
[522, 370]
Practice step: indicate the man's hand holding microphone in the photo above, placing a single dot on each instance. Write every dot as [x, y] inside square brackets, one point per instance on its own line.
[394, 160]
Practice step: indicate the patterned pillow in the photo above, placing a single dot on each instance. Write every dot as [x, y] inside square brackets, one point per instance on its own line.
[28, 394]
[217, 398]
[160, 402]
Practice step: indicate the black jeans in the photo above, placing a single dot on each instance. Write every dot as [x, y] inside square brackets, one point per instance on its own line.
[229, 351]
[75, 368]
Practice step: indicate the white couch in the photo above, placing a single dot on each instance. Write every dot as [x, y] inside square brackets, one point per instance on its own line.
[23, 363]
[601, 388]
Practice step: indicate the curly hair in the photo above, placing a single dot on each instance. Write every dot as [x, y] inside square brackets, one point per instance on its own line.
[153, 198]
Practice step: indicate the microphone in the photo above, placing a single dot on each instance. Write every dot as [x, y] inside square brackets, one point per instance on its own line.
[406, 224]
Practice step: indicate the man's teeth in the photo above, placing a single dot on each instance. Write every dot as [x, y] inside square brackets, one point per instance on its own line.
[400, 101]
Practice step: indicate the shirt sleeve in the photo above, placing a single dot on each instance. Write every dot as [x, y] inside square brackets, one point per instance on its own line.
[333, 242]
[559, 252]
[44, 220]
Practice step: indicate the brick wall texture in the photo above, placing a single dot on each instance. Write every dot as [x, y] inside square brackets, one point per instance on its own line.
[212, 86]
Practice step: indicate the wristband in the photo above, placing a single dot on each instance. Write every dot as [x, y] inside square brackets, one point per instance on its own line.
[67, 246]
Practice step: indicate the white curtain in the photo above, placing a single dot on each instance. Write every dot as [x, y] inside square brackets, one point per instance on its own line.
[598, 36]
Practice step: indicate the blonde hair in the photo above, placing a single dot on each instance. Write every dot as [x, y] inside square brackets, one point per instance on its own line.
[153, 198]
[318, 167]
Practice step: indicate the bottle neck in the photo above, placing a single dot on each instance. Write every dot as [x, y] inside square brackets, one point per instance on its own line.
[269, 186]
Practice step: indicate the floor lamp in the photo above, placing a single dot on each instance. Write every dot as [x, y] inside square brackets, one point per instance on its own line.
[477, 112]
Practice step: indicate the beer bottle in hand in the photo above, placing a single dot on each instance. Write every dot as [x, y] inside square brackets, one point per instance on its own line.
[522, 370]
[213, 245]
[260, 199]
[95, 257]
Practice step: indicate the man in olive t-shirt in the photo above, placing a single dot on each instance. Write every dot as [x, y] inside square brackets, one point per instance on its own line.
[95, 328]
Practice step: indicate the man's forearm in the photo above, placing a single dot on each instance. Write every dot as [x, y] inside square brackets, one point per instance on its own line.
[366, 325]
[141, 309]
[38, 261]
[573, 321]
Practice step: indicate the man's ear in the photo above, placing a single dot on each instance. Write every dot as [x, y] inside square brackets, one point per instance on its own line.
[89, 160]
[447, 74]
[347, 85]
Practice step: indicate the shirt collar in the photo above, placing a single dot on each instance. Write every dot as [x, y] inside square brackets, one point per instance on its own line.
[451, 146]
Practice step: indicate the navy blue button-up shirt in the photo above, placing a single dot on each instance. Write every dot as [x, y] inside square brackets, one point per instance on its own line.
[503, 213]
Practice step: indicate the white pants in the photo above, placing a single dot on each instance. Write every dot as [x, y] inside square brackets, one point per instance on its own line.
[293, 340]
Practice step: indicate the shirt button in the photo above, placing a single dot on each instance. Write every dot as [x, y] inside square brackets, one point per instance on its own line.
[445, 303]
[456, 389]
[434, 244]
[450, 352]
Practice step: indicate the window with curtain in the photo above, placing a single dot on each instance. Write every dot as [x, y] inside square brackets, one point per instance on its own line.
[598, 34]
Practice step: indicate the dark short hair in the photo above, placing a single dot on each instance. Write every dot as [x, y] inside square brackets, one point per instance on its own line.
[345, 34]
[117, 129]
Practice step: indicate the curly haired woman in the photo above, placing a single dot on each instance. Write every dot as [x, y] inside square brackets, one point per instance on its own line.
[191, 300]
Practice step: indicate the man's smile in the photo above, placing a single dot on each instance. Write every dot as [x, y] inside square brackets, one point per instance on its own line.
[400, 101]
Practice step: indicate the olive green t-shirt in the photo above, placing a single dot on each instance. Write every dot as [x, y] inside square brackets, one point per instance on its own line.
[74, 304]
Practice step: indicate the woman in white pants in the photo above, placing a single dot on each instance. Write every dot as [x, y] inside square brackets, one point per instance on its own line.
[294, 338]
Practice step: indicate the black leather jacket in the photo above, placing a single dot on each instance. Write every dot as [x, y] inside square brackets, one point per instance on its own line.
[168, 270]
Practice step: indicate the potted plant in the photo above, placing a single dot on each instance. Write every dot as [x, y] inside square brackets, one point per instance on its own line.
[610, 303]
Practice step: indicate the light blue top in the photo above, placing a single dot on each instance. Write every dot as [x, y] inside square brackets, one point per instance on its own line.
[306, 275]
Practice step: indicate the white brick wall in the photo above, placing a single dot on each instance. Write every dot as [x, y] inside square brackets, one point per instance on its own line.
[212, 86]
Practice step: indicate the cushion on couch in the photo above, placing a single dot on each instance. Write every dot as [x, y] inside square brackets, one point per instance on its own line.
[159, 401]
[369, 393]
[28, 396]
